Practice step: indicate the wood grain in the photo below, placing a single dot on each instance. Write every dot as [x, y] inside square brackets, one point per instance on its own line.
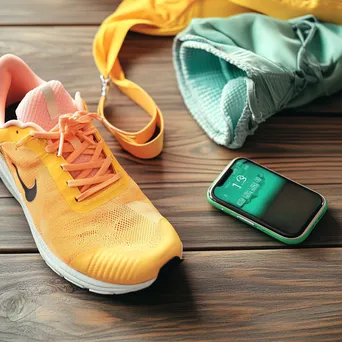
[223, 296]
[57, 12]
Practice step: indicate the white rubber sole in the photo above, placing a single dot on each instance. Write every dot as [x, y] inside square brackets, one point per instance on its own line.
[56, 264]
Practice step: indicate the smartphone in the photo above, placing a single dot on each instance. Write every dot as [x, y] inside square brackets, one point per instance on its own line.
[266, 200]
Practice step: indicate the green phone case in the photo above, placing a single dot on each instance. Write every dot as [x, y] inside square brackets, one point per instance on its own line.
[284, 239]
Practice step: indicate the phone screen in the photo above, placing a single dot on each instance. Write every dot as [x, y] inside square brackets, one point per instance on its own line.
[268, 198]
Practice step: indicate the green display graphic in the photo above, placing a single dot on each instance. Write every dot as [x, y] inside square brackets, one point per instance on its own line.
[250, 187]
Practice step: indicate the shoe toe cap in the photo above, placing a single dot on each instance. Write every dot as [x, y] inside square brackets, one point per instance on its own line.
[128, 265]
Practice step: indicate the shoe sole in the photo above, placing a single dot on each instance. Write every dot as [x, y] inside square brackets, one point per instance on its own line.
[58, 266]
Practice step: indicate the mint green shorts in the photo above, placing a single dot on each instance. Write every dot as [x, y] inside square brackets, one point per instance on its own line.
[234, 73]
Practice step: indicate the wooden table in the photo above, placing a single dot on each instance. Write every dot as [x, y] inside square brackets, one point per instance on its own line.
[235, 282]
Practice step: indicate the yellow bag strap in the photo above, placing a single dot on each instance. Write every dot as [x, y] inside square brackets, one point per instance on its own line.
[162, 17]
[148, 142]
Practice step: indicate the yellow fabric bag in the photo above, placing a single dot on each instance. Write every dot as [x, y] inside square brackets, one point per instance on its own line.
[168, 17]
[324, 10]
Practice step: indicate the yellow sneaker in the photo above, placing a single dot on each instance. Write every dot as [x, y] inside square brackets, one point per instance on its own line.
[91, 222]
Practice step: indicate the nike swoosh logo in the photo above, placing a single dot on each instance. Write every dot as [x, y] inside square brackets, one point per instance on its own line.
[30, 193]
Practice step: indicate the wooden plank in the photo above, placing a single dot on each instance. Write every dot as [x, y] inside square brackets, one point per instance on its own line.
[199, 225]
[272, 295]
[57, 12]
[176, 182]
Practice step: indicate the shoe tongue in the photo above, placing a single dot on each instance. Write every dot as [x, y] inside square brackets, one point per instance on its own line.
[44, 104]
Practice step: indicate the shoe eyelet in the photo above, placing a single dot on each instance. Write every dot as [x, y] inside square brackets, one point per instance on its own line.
[76, 199]
[17, 131]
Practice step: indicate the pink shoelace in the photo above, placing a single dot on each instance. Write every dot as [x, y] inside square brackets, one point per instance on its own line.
[72, 138]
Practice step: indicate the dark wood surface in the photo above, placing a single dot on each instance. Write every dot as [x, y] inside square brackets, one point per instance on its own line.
[57, 12]
[235, 282]
[273, 295]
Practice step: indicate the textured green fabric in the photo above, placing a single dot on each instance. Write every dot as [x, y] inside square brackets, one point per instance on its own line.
[236, 72]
